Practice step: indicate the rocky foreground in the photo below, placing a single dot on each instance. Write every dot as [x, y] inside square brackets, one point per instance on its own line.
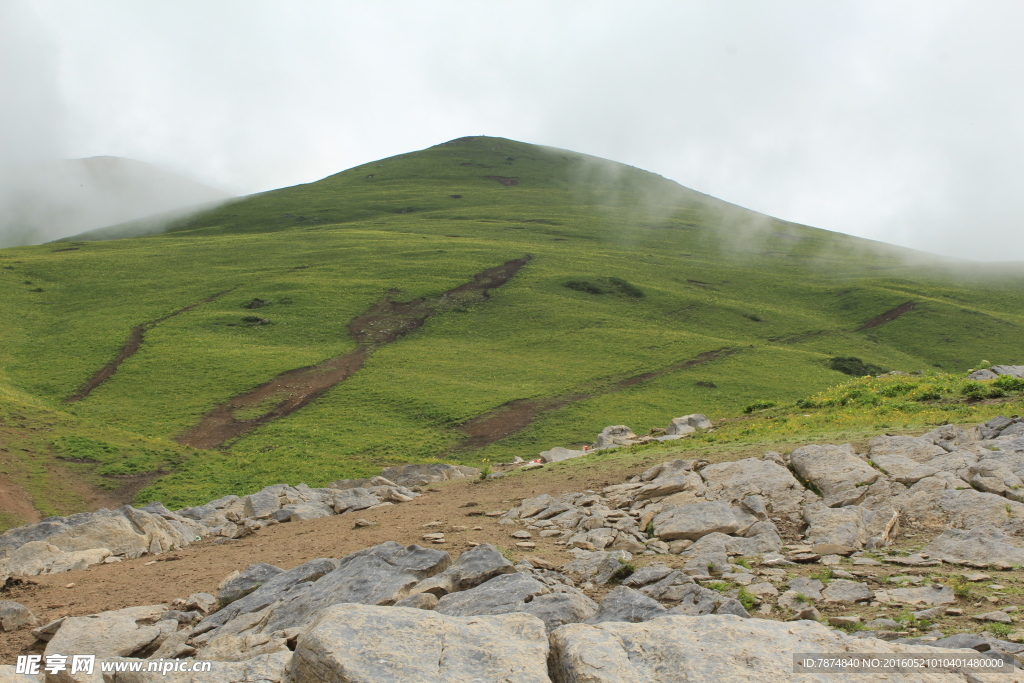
[664, 572]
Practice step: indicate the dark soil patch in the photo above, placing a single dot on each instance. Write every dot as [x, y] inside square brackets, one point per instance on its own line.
[68, 249]
[129, 348]
[515, 415]
[383, 323]
[888, 316]
[507, 182]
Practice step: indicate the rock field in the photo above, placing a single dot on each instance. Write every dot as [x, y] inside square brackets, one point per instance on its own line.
[689, 571]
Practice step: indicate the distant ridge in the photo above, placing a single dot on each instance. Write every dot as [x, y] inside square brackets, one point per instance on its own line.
[49, 200]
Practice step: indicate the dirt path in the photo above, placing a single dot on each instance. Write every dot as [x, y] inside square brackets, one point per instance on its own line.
[509, 418]
[130, 347]
[15, 501]
[385, 322]
[153, 579]
[888, 316]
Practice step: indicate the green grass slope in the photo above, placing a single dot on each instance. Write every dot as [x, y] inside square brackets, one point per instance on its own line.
[631, 275]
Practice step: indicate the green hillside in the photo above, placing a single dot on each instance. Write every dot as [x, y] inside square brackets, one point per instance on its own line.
[640, 300]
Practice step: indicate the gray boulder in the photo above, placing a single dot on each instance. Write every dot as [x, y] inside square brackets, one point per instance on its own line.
[424, 474]
[923, 595]
[851, 526]
[558, 454]
[269, 668]
[688, 424]
[246, 581]
[697, 601]
[708, 649]
[982, 545]
[615, 435]
[810, 588]
[501, 595]
[15, 616]
[474, 567]
[671, 588]
[832, 468]
[363, 644]
[117, 633]
[910, 447]
[350, 500]
[844, 591]
[268, 593]
[597, 566]
[626, 604]
[262, 504]
[902, 469]
[652, 573]
[558, 609]
[693, 521]
[381, 575]
[1011, 370]
[733, 481]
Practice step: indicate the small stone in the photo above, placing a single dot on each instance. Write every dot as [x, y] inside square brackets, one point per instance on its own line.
[992, 599]
[851, 620]
[521, 534]
[832, 549]
[71, 585]
[112, 559]
[830, 560]
[433, 537]
[495, 513]
[806, 613]
[676, 547]
[804, 558]
[435, 523]
[14, 615]
[438, 540]
[526, 544]
[996, 587]
[866, 561]
[997, 616]
[1011, 608]
[954, 612]
[363, 522]
[977, 576]
[532, 466]
[478, 528]
[472, 544]
[550, 533]
[1001, 566]
[842, 574]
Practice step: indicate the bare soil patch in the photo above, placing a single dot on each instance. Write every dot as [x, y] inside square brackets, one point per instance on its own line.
[888, 316]
[507, 182]
[385, 322]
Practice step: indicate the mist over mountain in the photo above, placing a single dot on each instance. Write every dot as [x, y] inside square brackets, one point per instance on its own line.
[48, 200]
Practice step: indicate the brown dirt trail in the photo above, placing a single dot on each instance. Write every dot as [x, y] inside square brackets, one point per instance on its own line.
[385, 322]
[509, 418]
[130, 347]
[888, 316]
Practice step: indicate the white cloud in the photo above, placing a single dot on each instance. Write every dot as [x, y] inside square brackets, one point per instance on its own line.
[894, 121]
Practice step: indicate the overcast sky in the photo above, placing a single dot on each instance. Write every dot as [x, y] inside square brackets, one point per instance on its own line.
[898, 121]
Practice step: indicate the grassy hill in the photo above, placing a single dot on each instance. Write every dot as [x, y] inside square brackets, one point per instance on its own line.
[636, 300]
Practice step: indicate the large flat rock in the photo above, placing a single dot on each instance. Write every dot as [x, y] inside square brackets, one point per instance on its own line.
[364, 644]
[716, 649]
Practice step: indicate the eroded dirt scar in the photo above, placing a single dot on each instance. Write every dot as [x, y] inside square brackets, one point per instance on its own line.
[130, 347]
[384, 322]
